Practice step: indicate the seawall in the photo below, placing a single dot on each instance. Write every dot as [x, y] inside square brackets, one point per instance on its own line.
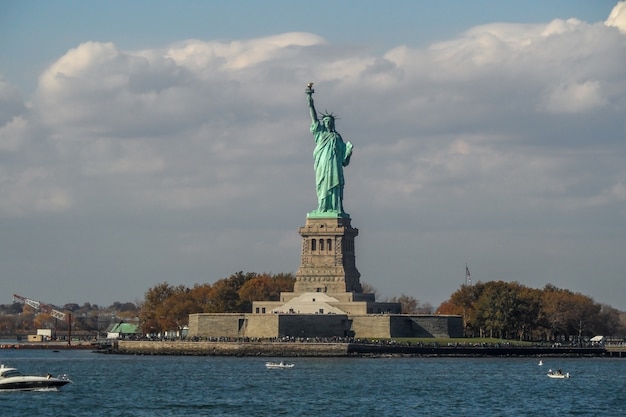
[313, 349]
[48, 345]
[229, 348]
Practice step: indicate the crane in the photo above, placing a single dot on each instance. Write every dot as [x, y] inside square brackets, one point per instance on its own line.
[39, 306]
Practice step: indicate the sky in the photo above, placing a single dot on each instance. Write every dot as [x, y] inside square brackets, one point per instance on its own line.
[149, 141]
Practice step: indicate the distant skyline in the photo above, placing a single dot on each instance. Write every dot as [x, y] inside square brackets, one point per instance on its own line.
[152, 141]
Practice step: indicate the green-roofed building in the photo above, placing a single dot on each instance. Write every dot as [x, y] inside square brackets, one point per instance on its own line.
[123, 330]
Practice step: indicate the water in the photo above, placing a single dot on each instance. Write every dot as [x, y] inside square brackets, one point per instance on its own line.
[116, 385]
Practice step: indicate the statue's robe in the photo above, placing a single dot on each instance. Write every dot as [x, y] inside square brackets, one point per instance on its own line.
[331, 154]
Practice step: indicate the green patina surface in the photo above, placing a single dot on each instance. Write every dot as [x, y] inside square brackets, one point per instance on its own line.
[331, 155]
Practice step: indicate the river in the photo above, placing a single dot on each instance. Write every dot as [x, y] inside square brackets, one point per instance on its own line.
[152, 386]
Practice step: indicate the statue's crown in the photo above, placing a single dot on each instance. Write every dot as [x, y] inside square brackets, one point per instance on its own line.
[326, 114]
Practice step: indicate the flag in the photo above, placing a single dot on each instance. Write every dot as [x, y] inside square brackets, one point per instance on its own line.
[468, 276]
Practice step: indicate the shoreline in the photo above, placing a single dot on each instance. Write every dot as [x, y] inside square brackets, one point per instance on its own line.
[313, 349]
[47, 345]
[317, 349]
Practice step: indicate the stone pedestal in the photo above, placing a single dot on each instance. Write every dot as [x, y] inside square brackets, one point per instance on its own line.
[328, 261]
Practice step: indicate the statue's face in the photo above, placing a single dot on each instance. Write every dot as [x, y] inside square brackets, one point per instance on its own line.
[329, 123]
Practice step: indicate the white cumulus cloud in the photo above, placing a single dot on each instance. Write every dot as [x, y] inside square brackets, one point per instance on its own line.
[617, 18]
[504, 140]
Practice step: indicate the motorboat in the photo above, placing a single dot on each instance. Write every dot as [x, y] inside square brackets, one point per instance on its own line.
[558, 374]
[12, 380]
[278, 365]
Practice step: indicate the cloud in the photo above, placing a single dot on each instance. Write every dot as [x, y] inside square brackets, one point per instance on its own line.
[11, 104]
[617, 17]
[507, 133]
[574, 98]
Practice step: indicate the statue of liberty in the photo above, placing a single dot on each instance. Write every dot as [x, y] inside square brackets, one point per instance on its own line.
[330, 155]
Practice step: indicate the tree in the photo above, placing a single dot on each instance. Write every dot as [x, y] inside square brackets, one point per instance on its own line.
[7, 324]
[411, 305]
[264, 287]
[369, 289]
[425, 308]
[608, 322]
[463, 302]
[567, 313]
[448, 307]
[201, 295]
[527, 318]
[177, 307]
[407, 303]
[258, 288]
[496, 308]
[153, 315]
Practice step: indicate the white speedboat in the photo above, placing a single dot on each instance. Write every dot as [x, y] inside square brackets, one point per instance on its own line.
[12, 380]
[278, 365]
[557, 374]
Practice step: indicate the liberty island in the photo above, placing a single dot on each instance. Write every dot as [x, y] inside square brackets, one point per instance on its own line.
[327, 300]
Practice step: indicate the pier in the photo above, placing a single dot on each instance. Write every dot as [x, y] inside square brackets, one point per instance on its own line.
[616, 351]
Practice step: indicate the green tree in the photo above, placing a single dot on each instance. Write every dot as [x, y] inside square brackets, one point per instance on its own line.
[527, 317]
[496, 308]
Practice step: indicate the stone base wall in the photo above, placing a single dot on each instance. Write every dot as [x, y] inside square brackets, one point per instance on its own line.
[216, 324]
[365, 326]
[371, 327]
[314, 325]
[438, 326]
[268, 325]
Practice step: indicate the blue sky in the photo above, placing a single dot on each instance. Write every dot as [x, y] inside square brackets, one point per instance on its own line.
[143, 142]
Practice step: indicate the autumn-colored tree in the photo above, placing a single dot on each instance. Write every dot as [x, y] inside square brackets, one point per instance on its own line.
[584, 313]
[527, 318]
[236, 293]
[448, 307]
[258, 288]
[501, 309]
[463, 302]
[7, 324]
[224, 297]
[154, 314]
[560, 312]
[176, 309]
[201, 295]
[166, 307]
[283, 282]
[264, 287]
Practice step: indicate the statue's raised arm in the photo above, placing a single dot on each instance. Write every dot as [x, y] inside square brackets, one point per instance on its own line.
[309, 94]
[330, 156]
